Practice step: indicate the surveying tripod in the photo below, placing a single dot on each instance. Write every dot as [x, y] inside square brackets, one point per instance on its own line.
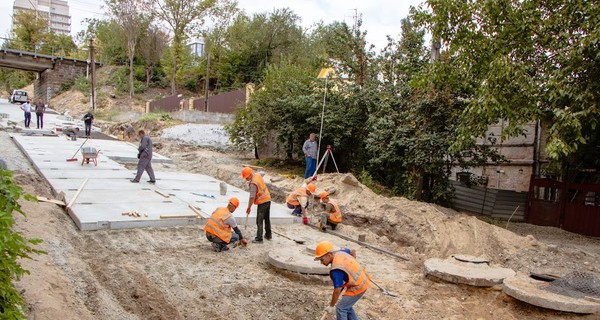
[325, 158]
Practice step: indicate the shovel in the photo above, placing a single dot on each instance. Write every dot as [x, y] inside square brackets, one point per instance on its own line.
[295, 240]
[384, 291]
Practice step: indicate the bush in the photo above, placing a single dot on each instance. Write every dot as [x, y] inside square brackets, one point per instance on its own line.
[83, 85]
[13, 247]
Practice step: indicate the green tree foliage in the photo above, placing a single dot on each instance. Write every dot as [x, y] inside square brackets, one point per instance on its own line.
[13, 247]
[524, 60]
[30, 31]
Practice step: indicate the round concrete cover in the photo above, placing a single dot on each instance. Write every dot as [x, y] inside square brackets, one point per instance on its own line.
[296, 260]
[526, 289]
[311, 248]
[474, 274]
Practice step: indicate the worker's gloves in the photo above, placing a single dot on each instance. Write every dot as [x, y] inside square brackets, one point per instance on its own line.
[305, 220]
[330, 309]
[248, 210]
[244, 242]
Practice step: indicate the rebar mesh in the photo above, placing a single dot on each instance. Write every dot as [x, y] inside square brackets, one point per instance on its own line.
[576, 284]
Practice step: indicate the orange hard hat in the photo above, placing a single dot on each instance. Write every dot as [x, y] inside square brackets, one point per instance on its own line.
[234, 201]
[324, 194]
[323, 248]
[311, 187]
[246, 172]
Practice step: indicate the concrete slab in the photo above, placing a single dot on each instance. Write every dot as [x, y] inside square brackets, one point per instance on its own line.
[108, 192]
[526, 289]
[474, 274]
[296, 259]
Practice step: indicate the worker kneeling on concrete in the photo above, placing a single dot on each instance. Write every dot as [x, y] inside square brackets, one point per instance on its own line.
[332, 215]
[221, 226]
[346, 273]
[298, 200]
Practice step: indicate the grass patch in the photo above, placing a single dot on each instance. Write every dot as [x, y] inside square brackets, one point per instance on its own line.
[155, 116]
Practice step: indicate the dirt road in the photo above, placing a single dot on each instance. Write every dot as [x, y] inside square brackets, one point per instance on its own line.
[173, 274]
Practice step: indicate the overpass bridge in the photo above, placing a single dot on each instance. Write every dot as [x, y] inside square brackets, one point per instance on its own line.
[53, 70]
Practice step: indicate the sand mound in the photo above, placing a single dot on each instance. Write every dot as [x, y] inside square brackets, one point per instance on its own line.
[410, 223]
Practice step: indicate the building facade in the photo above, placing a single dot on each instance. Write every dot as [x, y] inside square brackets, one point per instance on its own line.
[55, 11]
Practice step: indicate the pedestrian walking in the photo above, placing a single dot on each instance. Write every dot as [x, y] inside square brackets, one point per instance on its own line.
[310, 148]
[88, 119]
[40, 109]
[26, 107]
[145, 158]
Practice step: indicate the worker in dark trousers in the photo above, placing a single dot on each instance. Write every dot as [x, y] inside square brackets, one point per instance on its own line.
[88, 119]
[145, 156]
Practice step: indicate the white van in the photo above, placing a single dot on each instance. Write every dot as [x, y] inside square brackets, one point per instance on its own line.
[18, 96]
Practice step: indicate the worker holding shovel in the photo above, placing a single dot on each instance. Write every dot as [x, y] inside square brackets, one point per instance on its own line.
[346, 273]
[260, 196]
[221, 229]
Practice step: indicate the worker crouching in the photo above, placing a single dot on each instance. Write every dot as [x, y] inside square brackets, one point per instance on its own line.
[332, 215]
[298, 200]
[221, 229]
[346, 273]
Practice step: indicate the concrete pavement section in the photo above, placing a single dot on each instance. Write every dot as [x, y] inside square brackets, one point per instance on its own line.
[108, 192]
[474, 274]
[526, 289]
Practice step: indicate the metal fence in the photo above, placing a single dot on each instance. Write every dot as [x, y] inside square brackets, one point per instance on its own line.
[51, 51]
[495, 203]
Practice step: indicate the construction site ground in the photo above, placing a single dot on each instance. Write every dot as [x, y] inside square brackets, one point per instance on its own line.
[172, 273]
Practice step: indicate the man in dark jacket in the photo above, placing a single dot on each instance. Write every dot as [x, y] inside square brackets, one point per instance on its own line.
[88, 118]
[145, 156]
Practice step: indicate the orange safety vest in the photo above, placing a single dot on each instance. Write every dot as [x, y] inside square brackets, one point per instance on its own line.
[216, 224]
[293, 197]
[262, 193]
[358, 280]
[336, 215]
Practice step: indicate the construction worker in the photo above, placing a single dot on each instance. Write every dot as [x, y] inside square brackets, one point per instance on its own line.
[220, 225]
[298, 200]
[332, 215]
[346, 273]
[260, 196]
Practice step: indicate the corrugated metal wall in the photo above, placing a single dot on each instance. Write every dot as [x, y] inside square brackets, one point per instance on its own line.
[494, 203]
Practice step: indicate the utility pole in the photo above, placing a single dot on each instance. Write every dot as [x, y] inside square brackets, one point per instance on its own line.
[92, 75]
[206, 81]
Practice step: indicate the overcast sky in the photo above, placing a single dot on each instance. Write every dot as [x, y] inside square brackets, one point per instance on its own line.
[380, 17]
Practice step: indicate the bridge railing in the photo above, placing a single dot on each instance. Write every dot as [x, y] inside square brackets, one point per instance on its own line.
[49, 50]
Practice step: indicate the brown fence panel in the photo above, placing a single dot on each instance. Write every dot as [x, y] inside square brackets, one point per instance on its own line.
[543, 207]
[168, 104]
[582, 210]
[222, 103]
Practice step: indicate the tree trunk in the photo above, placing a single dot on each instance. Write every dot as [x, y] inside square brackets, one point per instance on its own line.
[131, 52]
[149, 74]
[174, 71]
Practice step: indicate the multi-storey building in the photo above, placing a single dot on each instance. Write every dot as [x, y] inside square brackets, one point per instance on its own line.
[55, 11]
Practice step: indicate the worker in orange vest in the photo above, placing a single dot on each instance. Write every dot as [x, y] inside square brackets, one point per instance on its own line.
[332, 215]
[221, 229]
[298, 200]
[345, 273]
[260, 196]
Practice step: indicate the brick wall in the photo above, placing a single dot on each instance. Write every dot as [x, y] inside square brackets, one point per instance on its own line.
[50, 81]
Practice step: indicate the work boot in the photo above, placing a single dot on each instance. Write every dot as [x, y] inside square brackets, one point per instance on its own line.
[134, 181]
[256, 240]
[151, 181]
[216, 247]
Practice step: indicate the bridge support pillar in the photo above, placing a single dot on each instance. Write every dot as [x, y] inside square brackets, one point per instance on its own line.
[50, 81]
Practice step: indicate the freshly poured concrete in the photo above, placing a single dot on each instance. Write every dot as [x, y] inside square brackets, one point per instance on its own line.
[474, 274]
[108, 193]
[526, 289]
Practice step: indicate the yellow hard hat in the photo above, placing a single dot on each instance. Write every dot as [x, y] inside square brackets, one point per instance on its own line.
[246, 172]
[234, 201]
[324, 195]
[323, 248]
[311, 187]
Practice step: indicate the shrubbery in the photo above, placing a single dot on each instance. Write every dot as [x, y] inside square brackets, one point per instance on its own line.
[13, 247]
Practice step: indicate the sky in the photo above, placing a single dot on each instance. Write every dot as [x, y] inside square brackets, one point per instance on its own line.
[380, 17]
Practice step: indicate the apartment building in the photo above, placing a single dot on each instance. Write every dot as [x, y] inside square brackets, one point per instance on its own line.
[56, 11]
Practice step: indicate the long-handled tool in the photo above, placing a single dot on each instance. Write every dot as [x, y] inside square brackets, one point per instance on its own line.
[384, 291]
[71, 159]
[283, 235]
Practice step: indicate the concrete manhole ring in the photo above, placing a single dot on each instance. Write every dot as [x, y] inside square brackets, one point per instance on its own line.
[296, 260]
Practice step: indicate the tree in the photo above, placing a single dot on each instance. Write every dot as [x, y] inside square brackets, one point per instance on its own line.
[181, 16]
[30, 30]
[129, 15]
[110, 40]
[523, 60]
[152, 47]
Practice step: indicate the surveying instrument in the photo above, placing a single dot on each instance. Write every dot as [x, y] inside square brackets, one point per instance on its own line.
[328, 153]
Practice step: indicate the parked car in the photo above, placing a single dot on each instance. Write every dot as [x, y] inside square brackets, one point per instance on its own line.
[18, 96]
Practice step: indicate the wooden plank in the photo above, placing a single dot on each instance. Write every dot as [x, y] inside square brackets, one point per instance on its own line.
[178, 216]
[77, 193]
[196, 211]
[253, 167]
[58, 202]
[162, 193]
